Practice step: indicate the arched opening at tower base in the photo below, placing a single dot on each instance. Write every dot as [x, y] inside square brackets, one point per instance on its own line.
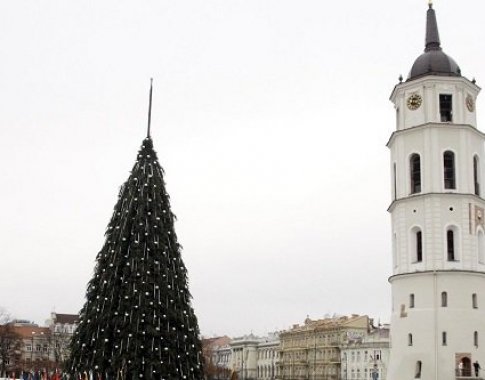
[463, 365]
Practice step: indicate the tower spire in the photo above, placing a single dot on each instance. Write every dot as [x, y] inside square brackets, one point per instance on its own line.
[432, 35]
[150, 107]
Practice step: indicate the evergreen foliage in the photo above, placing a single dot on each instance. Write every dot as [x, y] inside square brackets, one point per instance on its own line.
[137, 321]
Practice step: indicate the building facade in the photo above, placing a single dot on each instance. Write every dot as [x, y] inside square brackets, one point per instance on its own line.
[268, 357]
[248, 357]
[366, 356]
[31, 348]
[437, 213]
[217, 356]
[313, 350]
[34, 352]
[245, 356]
[62, 327]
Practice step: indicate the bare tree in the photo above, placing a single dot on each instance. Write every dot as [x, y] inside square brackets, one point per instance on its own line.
[10, 345]
[60, 343]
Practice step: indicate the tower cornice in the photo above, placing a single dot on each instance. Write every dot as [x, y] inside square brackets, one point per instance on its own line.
[432, 125]
[436, 272]
[433, 79]
[431, 194]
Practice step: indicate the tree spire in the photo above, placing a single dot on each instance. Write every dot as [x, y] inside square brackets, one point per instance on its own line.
[150, 108]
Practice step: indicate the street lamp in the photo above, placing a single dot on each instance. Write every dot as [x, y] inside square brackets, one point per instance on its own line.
[32, 349]
[346, 366]
[32, 353]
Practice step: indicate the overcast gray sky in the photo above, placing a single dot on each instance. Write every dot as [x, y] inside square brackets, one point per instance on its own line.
[270, 118]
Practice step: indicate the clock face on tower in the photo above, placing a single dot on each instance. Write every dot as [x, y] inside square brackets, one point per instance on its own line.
[414, 102]
[470, 103]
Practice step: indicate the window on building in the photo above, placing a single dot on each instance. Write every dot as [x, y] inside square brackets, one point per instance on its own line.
[446, 107]
[411, 300]
[474, 301]
[449, 170]
[444, 299]
[28, 347]
[419, 364]
[450, 245]
[475, 338]
[476, 172]
[481, 246]
[410, 339]
[419, 246]
[394, 177]
[377, 355]
[415, 166]
[394, 249]
[443, 338]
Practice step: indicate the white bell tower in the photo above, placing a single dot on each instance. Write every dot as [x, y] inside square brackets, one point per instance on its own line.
[437, 212]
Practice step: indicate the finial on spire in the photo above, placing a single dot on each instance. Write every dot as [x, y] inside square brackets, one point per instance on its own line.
[430, 3]
[150, 107]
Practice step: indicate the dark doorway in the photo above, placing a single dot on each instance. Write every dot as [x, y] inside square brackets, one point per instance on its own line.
[467, 366]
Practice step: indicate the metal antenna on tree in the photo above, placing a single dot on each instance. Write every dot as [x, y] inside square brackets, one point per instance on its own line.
[150, 107]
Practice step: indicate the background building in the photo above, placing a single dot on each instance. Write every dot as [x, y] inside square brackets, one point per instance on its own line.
[35, 352]
[312, 351]
[365, 355]
[217, 355]
[26, 347]
[268, 357]
[245, 356]
[62, 327]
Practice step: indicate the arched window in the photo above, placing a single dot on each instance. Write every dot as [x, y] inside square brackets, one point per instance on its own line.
[418, 370]
[476, 171]
[415, 166]
[410, 339]
[416, 244]
[474, 301]
[444, 299]
[419, 246]
[450, 245]
[475, 338]
[411, 300]
[481, 246]
[443, 338]
[449, 170]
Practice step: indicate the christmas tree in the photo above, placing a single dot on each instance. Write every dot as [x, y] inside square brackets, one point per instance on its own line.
[137, 321]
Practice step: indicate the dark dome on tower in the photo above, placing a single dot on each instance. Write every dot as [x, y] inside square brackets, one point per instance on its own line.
[433, 61]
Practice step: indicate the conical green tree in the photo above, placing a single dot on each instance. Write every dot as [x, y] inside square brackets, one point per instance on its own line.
[137, 322]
